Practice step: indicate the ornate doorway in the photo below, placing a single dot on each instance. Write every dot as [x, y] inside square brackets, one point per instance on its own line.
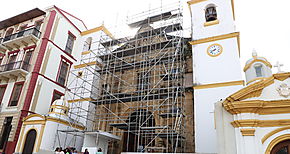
[29, 142]
[282, 148]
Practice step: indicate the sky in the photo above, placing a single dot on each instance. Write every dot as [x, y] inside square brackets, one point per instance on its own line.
[263, 25]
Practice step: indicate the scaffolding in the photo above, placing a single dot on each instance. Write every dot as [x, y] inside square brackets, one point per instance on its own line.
[134, 87]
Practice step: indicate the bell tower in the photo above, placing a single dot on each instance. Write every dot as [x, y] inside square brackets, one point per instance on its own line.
[217, 69]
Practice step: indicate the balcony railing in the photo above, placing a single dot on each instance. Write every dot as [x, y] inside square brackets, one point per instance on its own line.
[31, 31]
[15, 65]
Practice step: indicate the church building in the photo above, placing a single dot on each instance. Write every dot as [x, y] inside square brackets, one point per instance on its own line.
[156, 91]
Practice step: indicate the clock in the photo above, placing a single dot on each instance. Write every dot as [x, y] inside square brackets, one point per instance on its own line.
[214, 50]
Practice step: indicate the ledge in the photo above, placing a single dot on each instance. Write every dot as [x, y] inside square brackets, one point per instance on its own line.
[210, 23]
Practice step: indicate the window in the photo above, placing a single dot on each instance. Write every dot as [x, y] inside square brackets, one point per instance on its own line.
[56, 95]
[37, 24]
[210, 13]
[21, 30]
[258, 69]
[8, 34]
[63, 71]
[88, 43]
[9, 31]
[16, 94]
[11, 61]
[70, 43]
[2, 92]
[27, 58]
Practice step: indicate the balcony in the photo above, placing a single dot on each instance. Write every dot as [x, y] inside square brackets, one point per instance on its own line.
[24, 37]
[15, 69]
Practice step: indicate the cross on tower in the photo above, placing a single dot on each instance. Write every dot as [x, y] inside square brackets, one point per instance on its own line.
[278, 65]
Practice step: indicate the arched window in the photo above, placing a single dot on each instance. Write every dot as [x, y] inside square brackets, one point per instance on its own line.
[9, 31]
[8, 34]
[88, 43]
[281, 148]
[29, 142]
[258, 69]
[210, 13]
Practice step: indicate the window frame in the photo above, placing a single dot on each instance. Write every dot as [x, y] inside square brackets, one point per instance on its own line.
[65, 60]
[3, 86]
[55, 92]
[16, 83]
[69, 49]
[206, 10]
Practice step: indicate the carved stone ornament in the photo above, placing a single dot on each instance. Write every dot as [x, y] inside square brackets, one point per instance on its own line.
[284, 90]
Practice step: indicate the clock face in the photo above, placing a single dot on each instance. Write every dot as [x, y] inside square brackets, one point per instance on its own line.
[214, 50]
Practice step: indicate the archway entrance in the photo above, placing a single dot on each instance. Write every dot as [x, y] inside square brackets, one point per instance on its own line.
[282, 148]
[29, 142]
[140, 132]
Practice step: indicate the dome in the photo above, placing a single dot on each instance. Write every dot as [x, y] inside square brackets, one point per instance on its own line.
[257, 68]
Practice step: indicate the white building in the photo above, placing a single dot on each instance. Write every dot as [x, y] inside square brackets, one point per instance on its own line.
[38, 49]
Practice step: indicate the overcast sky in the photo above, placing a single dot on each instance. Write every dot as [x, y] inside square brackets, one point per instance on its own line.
[264, 25]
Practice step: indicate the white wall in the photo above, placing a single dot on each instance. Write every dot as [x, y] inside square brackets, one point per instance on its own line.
[205, 132]
[225, 131]
[223, 68]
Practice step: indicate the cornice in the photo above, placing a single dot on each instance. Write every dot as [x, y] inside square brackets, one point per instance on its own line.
[248, 132]
[216, 85]
[215, 38]
[260, 123]
[258, 107]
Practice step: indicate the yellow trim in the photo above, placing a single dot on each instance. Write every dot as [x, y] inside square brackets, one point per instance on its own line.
[258, 107]
[195, 1]
[59, 107]
[80, 100]
[215, 38]
[260, 123]
[215, 85]
[239, 45]
[106, 31]
[100, 28]
[208, 53]
[276, 141]
[248, 132]
[210, 23]
[40, 137]
[256, 79]
[86, 52]
[91, 30]
[34, 115]
[257, 60]
[19, 144]
[233, 10]
[33, 122]
[273, 132]
[87, 64]
[23, 142]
